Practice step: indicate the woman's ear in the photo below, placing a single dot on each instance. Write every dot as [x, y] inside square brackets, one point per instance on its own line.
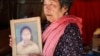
[65, 10]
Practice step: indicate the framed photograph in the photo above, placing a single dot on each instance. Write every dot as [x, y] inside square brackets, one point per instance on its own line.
[26, 36]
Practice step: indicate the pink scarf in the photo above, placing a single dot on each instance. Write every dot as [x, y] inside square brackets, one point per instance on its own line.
[54, 31]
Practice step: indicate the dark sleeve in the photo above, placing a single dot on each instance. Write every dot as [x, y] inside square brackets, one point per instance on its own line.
[70, 43]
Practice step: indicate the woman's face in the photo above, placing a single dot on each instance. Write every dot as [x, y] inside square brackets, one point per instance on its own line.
[52, 10]
[26, 35]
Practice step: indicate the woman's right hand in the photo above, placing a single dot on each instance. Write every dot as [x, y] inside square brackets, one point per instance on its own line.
[10, 41]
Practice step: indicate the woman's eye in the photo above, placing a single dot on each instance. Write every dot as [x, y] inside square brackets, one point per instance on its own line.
[44, 4]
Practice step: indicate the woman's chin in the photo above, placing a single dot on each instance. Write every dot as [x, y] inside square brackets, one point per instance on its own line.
[26, 42]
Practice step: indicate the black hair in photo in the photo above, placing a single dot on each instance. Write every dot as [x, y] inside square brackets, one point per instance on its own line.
[25, 27]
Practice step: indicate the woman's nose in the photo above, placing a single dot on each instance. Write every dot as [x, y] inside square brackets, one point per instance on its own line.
[48, 7]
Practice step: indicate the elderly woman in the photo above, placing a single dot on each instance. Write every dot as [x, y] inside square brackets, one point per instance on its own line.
[62, 36]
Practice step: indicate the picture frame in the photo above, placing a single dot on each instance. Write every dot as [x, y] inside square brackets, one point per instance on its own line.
[26, 36]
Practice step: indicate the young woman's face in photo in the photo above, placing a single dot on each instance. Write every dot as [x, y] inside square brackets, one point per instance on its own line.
[26, 35]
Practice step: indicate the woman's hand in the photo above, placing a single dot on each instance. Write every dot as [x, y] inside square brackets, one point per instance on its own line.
[10, 41]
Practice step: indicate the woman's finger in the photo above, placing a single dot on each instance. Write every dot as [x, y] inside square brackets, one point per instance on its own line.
[10, 41]
[10, 36]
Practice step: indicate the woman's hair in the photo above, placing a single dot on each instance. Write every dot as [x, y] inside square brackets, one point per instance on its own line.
[65, 3]
[25, 27]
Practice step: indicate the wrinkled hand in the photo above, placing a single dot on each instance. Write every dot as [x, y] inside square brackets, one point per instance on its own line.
[10, 41]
